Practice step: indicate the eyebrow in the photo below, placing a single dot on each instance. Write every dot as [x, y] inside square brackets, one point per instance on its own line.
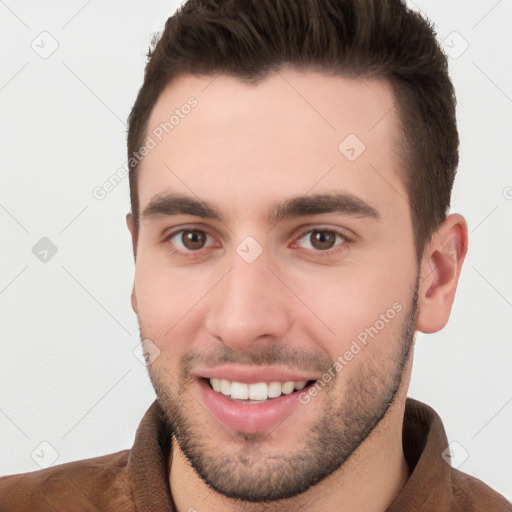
[347, 204]
[176, 204]
[344, 203]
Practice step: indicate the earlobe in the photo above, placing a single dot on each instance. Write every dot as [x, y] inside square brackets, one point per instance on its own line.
[440, 270]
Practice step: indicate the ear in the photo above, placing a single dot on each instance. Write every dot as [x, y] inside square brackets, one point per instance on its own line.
[133, 298]
[131, 228]
[440, 269]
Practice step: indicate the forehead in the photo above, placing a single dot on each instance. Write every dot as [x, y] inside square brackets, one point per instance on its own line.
[240, 144]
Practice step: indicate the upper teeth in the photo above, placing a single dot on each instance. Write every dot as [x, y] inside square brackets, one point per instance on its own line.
[257, 391]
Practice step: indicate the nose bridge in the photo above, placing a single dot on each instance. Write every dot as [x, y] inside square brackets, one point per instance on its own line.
[247, 305]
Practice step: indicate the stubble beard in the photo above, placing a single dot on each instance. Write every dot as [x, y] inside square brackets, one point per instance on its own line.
[252, 475]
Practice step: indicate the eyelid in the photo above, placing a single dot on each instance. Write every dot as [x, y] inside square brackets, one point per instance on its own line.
[172, 232]
[208, 243]
[315, 227]
[304, 230]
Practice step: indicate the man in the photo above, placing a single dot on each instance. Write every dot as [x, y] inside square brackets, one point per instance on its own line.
[291, 170]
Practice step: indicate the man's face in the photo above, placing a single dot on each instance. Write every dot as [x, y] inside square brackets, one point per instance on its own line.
[275, 251]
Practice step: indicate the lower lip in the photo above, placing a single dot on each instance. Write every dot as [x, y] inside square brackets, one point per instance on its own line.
[249, 417]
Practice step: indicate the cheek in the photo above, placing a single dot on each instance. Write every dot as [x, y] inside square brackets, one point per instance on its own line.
[354, 303]
[165, 296]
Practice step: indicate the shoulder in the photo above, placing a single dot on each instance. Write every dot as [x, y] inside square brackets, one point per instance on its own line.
[434, 484]
[100, 483]
[472, 494]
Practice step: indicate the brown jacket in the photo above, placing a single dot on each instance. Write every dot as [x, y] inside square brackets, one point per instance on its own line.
[137, 479]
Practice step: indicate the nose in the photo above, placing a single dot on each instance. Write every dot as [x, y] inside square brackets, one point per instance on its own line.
[248, 305]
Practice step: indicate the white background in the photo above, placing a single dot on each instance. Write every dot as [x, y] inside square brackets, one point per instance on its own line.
[68, 375]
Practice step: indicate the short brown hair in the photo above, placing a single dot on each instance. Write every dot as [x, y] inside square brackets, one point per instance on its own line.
[249, 39]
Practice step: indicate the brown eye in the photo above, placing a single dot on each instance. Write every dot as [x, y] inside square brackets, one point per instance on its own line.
[193, 240]
[321, 239]
[190, 240]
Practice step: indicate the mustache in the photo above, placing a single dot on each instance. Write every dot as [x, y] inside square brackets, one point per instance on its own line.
[273, 355]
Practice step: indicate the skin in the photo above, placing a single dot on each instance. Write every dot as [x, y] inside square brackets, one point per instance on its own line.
[245, 149]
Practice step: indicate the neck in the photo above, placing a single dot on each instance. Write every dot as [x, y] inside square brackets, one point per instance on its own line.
[369, 480]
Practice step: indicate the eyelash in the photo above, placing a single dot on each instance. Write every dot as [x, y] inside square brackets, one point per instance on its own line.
[186, 253]
[192, 254]
[337, 233]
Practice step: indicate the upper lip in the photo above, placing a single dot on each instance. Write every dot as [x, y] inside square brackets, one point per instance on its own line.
[254, 374]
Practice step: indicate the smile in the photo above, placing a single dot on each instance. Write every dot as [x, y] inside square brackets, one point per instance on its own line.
[252, 400]
[257, 392]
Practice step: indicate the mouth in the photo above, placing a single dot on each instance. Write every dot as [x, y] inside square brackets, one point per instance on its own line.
[257, 392]
[255, 406]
